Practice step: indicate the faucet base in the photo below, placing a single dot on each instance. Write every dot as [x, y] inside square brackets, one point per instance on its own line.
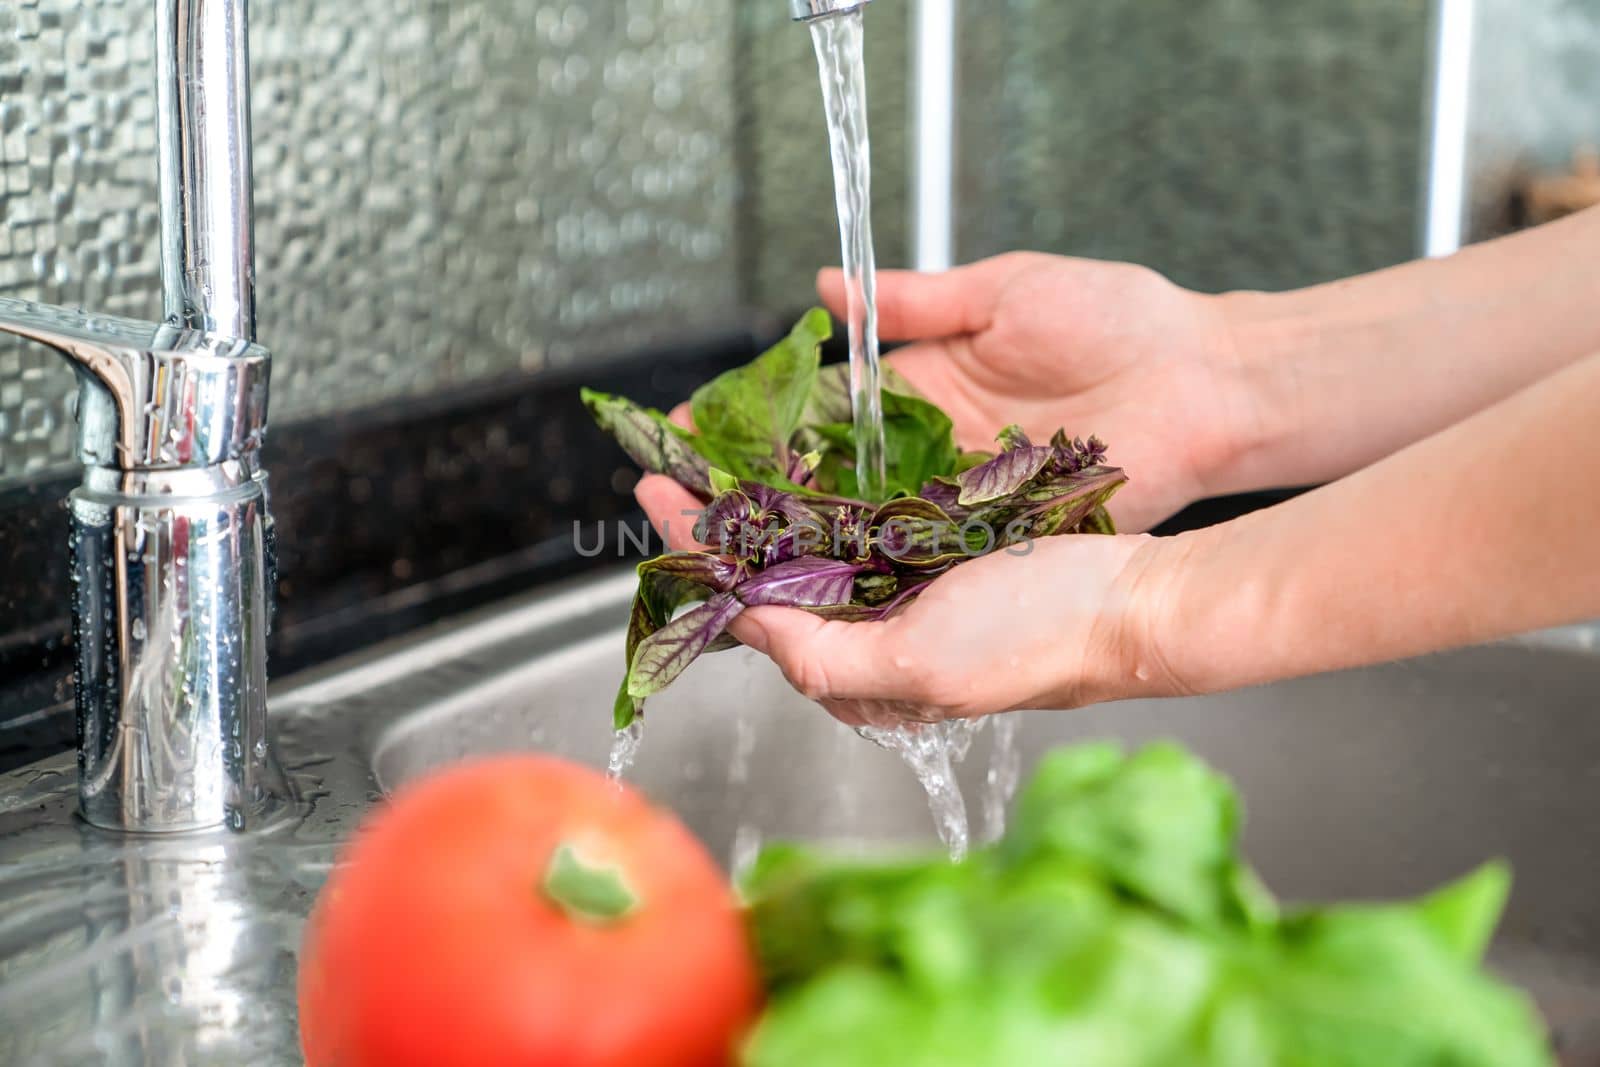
[170, 624]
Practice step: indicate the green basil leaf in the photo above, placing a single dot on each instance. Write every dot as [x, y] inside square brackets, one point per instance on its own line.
[748, 415]
[918, 442]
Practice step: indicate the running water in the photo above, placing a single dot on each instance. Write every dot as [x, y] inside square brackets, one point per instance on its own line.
[1005, 771]
[932, 750]
[844, 94]
[624, 749]
[746, 836]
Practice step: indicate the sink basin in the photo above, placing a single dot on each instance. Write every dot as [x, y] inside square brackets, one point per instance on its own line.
[1368, 783]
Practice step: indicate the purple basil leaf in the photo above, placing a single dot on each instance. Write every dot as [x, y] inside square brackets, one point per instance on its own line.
[918, 534]
[777, 503]
[810, 581]
[666, 583]
[722, 519]
[1064, 505]
[809, 537]
[910, 507]
[665, 654]
[848, 612]
[1098, 521]
[908, 592]
[855, 612]
[946, 494]
[1002, 475]
[721, 643]
[674, 579]
[651, 440]
[876, 588]
[670, 581]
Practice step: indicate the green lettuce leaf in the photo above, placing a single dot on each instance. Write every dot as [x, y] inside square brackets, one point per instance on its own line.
[1117, 925]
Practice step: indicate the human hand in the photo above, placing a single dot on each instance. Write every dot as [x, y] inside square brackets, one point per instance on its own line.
[1097, 348]
[1057, 622]
[1061, 626]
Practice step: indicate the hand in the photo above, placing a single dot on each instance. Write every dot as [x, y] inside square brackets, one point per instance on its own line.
[1060, 627]
[1097, 348]
[1064, 624]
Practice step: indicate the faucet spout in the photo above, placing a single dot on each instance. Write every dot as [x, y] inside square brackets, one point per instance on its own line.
[153, 397]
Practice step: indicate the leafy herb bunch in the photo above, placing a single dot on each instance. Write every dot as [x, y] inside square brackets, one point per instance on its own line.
[772, 456]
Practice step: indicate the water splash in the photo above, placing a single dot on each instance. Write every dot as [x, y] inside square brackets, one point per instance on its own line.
[1005, 771]
[842, 68]
[746, 847]
[932, 750]
[624, 749]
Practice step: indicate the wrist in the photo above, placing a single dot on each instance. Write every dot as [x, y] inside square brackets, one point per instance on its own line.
[1192, 621]
[1266, 342]
[1135, 648]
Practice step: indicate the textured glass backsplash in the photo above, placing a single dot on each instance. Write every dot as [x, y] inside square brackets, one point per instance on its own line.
[449, 190]
[445, 191]
[1227, 143]
[787, 213]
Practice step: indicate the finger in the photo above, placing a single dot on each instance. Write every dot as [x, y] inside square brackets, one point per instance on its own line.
[826, 660]
[682, 416]
[846, 711]
[914, 306]
[672, 509]
[881, 714]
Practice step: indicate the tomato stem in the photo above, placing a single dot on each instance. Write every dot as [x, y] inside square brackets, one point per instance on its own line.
[587, 892]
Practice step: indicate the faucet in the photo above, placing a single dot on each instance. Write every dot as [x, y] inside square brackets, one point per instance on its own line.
[170, 539]
[809, 10]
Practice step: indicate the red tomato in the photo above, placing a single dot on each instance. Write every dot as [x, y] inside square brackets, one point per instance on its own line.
[439, 940]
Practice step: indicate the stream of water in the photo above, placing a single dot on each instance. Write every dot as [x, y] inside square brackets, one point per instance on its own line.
[1005, 772]
[842, 68]
[932, 752]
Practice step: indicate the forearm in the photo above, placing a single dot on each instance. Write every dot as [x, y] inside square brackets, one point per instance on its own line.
[1344, 374]
[1483, 530]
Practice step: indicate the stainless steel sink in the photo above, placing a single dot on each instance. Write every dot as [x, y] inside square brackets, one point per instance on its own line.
[1368, 783]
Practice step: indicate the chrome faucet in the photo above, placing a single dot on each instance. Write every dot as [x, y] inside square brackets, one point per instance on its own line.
[171, 541]
[807, 10]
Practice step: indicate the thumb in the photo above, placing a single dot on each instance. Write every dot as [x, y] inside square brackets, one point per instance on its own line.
[913, 306]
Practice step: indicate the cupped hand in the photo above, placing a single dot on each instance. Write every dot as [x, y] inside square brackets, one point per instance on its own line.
[1059, 627]
[1059, 622]
[1098, 348]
